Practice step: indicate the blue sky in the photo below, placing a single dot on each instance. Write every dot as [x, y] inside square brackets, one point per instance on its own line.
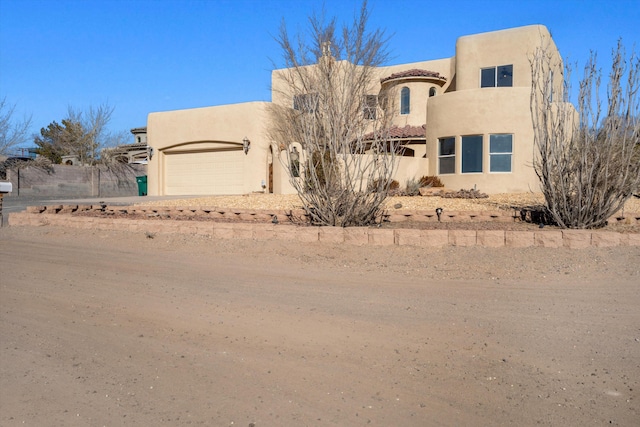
[141, 56]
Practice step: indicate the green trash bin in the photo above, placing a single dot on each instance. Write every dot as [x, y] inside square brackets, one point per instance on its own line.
[142, 185]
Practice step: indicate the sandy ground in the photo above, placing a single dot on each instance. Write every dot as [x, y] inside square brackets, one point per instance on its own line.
[104, 328]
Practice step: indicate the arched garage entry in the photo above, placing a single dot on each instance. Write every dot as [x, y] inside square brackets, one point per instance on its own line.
[203, 168]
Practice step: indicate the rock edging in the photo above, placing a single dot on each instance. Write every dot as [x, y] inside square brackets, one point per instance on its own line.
[575, 239]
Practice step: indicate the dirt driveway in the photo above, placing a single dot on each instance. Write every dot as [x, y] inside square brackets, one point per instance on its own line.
[104, 328]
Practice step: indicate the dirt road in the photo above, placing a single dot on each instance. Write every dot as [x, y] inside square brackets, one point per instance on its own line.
[102, 328]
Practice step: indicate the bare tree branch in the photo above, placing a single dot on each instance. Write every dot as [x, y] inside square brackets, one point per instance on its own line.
[588, 164]
[12, 132]
[340, 159]
[82, 134]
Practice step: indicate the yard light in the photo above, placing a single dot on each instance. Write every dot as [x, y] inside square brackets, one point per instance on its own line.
[295, 154]
[438, 212]
[294, 162]
[245, 145]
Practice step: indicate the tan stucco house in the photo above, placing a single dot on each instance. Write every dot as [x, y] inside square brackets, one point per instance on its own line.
[465, 119]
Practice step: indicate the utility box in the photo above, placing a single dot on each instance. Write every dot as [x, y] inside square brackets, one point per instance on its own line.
[5, 187]
[142, 185]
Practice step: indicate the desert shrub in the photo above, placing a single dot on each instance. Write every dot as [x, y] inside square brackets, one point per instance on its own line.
[327, 72]
[413, 187]
[394, 188]
[586, 156]
[465, 194]
[430, 181]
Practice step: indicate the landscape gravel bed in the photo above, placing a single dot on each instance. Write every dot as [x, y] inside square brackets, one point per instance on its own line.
[291, 201]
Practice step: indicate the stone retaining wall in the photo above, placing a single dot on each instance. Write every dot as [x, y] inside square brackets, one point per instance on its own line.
[262, 228]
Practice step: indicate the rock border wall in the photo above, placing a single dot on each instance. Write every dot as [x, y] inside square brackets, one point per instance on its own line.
[258, 225]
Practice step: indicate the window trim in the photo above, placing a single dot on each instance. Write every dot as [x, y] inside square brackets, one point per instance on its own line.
[496, 79]
[405, 101]
[306, 102]
[500, 153]
[446, 156]
[370, 107]
[462, 155]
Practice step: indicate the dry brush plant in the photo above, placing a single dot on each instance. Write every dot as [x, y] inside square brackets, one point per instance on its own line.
[586, 159]
[13, 132]
[334, 142]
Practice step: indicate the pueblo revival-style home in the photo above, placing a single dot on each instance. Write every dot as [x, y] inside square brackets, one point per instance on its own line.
[465, 119]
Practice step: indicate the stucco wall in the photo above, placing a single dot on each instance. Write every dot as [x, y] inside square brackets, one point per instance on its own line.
[459, 108]
[512, 46]
[419, 90]
[483, 112]
[202, 129]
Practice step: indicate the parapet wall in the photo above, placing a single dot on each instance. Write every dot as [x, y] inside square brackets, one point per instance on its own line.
[263, 228]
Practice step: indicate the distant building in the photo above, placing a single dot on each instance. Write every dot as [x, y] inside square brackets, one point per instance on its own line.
[465, 119]
[138, 152]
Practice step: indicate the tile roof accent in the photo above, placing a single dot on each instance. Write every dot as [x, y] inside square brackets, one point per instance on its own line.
[408, 131]
[413, 73]
[405, 132]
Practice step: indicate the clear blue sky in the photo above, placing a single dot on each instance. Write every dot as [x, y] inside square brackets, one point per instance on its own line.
[141, 56]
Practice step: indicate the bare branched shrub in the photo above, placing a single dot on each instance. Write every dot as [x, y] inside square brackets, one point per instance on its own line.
[430, 181]
[587, 160]
[13, 131]
[41, 163]
[334, 142]
[412, 188]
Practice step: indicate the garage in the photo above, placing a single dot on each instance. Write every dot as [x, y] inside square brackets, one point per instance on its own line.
[204, 172]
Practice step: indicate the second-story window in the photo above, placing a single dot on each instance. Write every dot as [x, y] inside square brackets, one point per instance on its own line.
[405, 101]
[370, 107]
[500, 76]
[307, 102]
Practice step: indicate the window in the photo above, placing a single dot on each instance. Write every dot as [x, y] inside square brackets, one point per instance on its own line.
[500, 151]
[432, 92]
[472, 154]
[447, 155]
[501, 76]
[370, 106]
[405, 100]
[306, 102]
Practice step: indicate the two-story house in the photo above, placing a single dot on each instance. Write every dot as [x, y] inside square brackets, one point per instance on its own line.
[465, 119]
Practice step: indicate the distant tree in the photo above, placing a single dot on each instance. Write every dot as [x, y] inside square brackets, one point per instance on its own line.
[335, 142]
[12, 132]
[587, 162]
[82, 134]
[50, 142]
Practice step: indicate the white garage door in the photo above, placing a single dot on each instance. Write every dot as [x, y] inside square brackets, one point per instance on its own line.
[212, 172]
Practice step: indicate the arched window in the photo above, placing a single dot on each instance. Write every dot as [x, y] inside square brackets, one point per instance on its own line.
[405, 100]
[432, 91]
